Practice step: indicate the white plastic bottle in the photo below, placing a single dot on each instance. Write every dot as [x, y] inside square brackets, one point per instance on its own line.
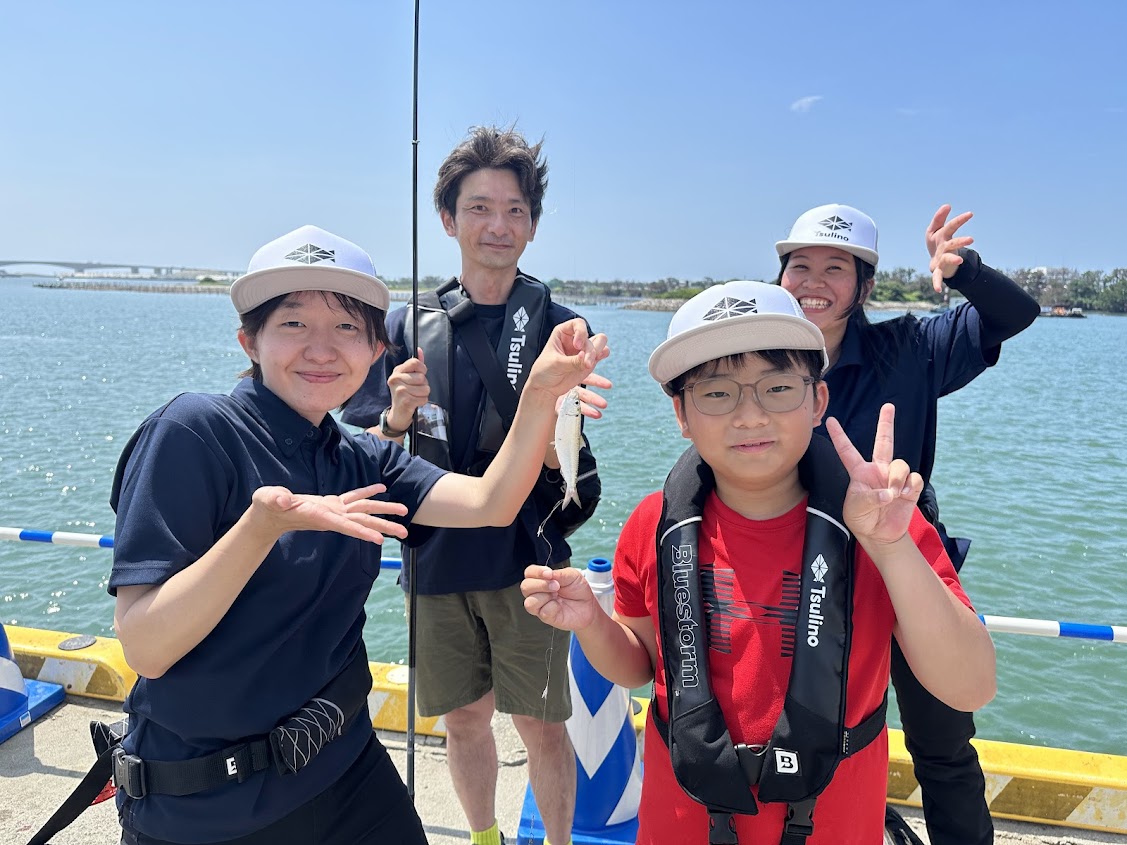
[599, 576]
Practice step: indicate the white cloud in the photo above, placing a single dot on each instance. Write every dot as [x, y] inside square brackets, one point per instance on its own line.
[804, 104]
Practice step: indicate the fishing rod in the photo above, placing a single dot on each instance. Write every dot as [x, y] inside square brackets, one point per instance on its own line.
[409, 574]
[995, 624]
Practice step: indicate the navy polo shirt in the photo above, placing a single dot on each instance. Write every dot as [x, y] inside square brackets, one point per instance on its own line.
[458, 560]
[910, 363]
[183, 480]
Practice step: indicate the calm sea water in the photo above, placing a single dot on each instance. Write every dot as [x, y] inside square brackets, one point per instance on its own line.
[1031, 467]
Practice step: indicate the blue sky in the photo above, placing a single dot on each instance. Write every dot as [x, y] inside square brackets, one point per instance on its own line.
[682, 138]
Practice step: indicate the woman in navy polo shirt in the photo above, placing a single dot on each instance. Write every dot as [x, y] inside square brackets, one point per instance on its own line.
[829, 262]
[248, 536]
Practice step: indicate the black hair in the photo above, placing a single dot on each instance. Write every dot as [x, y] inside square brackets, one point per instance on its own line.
[491, 148]
[809, 360]
[371, 317]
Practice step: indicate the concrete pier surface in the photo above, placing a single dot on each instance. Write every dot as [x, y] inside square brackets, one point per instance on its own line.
[41, 765]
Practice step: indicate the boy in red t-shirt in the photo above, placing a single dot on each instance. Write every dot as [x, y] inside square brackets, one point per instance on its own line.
[743, 367]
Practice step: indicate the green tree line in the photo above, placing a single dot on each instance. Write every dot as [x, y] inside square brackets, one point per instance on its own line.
[1092, 290]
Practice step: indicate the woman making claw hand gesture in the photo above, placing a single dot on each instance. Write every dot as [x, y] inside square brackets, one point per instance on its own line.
[829, 262]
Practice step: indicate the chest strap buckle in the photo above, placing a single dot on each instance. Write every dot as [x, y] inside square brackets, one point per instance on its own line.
[721, 829]
[800, 822]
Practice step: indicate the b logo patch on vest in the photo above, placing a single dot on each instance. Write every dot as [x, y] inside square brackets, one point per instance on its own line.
[786, 762]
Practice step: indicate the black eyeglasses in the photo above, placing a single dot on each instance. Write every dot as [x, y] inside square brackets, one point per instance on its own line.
[776, 394]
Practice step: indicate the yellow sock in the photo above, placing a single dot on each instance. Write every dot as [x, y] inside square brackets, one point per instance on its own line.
[546, 842]
[492, 836]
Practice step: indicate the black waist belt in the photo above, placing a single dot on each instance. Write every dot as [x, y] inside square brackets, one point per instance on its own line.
[289, 747]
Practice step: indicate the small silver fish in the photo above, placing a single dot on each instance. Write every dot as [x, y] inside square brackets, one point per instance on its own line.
[568, 440]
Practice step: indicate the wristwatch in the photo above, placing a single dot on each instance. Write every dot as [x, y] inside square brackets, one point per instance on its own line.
[386, 430]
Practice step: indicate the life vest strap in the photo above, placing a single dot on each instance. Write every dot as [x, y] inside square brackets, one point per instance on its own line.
[861, 735]
[799, 824]
[721, 829]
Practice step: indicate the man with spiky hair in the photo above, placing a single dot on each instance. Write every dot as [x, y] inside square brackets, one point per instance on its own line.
[478, 650]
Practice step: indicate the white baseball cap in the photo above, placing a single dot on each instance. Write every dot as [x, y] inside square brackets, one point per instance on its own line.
[309, 258]
[840, 226]
[729, 319]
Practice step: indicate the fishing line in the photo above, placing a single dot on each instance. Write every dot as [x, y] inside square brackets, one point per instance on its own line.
[540, 530]
[552, 642]
[547, 660]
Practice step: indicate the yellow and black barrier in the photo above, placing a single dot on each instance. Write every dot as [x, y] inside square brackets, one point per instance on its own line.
[1051, 786]
[93, 667]
[1045, 785]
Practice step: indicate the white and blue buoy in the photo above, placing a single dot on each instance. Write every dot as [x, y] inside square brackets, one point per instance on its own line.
[21, 701]
[14, 712]
[608, 766]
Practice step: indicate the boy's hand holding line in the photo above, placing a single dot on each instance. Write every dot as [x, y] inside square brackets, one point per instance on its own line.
[622, 649]
[561, 598]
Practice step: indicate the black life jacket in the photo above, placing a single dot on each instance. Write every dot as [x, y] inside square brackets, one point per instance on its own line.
[521, 340]
[810, 738]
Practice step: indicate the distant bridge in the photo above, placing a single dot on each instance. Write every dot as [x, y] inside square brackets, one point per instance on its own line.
[131, 269]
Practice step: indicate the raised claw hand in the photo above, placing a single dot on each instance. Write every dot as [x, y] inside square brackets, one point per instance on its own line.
[943, 246]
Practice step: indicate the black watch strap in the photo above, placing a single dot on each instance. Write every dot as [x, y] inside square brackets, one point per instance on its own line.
[386, 429]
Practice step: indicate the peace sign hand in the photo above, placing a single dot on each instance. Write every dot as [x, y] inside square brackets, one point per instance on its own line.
[883, 492]
[943, 246]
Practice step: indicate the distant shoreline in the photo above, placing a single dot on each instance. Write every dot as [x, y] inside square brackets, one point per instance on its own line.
[218, 287]
[650, 304]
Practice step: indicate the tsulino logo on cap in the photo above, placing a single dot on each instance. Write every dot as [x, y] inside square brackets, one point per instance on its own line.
[310, 254]
[729, 307]
[835, 224]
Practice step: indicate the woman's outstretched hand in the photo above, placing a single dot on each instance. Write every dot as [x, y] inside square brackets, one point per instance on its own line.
[353, 513]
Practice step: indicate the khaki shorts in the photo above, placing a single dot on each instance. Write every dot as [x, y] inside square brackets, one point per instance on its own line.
[470, 643]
